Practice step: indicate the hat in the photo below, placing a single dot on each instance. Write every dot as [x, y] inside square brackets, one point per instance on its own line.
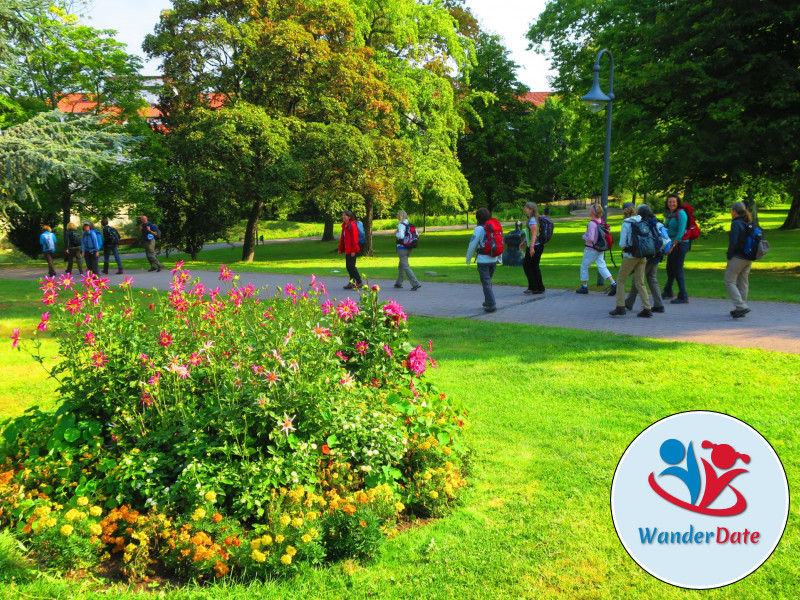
[89, 223]
[627, 205]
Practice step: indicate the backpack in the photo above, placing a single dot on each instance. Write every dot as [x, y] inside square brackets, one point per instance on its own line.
[692, 229]
[362, 236]
[493, 243]
[545, 229]
[110, 236]
[49, 241]
[661, 234]
[755, 246]
[604, 239]
[643, 241]
[411, 237]
[99, 237]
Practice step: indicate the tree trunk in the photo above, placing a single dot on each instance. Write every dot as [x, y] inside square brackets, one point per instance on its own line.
[249, 247]
[327, 231]
[369, 206]
[793, 218]
[66, 208]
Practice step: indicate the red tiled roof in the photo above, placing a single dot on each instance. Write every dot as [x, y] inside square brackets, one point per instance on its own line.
[537, 98]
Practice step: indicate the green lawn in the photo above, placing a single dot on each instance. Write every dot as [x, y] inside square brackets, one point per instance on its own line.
[552, 410]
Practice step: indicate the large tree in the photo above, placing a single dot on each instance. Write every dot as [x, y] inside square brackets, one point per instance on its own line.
[712, 84]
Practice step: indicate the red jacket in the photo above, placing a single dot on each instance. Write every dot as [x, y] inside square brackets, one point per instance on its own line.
[348, 242]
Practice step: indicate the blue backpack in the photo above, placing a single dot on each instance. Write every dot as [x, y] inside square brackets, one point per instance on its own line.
[362, 236]
[99, 237]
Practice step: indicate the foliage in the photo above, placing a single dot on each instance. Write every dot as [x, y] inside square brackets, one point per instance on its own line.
[211, 404]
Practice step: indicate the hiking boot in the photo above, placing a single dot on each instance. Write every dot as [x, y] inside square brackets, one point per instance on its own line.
[738, 314]
[582, 290]
[612, 291]
[666, 295]
[414, 288]
[158, 270]
[528, 291]
[119, 272]
[658, 309]
[679, 301]
[620, 310]
[105, 271]
[645, 313]
[151, 269]
[399, 286]
[490, 308]
[350, 286]
[628, 304]
[541, 291]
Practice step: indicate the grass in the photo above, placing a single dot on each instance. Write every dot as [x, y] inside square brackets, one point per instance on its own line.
[552, 410]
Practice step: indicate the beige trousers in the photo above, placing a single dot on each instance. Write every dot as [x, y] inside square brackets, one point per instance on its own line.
[635, 266]
[737, 280]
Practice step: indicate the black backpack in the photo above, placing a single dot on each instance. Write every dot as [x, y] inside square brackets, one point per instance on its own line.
[643, 242]
[545, 229]
[110, 236]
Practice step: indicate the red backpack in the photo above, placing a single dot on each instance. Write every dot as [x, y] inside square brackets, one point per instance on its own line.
[493, 243]
[692, 229]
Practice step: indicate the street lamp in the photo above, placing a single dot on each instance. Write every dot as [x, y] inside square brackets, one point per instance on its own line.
[596, 101]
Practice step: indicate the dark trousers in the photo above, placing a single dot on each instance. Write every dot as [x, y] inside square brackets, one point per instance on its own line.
[530, 264]
[108, 250]
[675, 262]
[51, 270]
[485, 272]
[91, 263]
[352, 271]
[74, 254]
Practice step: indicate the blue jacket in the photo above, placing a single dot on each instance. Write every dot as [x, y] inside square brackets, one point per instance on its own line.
[92, 241]
[477, 239]
[44, 238]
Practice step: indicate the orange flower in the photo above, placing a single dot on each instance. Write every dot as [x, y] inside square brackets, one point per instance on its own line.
[362, 523]
[349, 509]
[216, 517]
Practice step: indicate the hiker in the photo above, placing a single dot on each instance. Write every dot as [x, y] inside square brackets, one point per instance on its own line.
[150, 233]
[530, 264]
[630, 264]
[488, 250]
[110, 244]
[594, 230]
[737, 272]
[651, 269]
[406, 236]
[348, 243]
[91, 242]
[47, 239]
[72, 243]
[677, 221]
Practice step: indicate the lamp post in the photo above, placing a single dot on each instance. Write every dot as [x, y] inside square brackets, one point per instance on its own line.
[596, 101]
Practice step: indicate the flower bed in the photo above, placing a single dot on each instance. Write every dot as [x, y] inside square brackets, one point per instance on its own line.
[221, 434]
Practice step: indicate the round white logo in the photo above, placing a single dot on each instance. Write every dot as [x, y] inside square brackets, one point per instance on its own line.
[700, 500]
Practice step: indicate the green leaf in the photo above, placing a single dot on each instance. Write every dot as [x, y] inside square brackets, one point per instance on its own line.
[443, 438]
[332, 440]
[72, 434]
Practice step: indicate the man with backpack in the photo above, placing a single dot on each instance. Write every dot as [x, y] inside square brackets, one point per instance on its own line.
[663, 243]
[407, 238]
[487, 243]
[110, 244]
[633, 240]
[47, 239]
[91, 243]
[150, 233]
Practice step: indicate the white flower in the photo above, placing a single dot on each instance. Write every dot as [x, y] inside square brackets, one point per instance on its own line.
[286, 424]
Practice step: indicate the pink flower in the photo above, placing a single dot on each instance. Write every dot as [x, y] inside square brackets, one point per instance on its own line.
[181, 371]
[89, 338]
[44, 323]
[376, 288]
[322, 287]
[127, 313]
[347, 381]
[342, 356]
[49, 297]
[225, 274]
[178, 267]
[99, 359]
[144, 359]
[313, 285]
[48, 284]
[289, 335]
[290, 290]
[321, 332]
[430, 345]
[258, 369]
[361, 348]
[15, 338]
[293, 366]
[127, 283]
[272, 378]
[154, 380]
[74, 305]
[66, 281]
[146, 399]
[326, 307]
[417, 360]
[387, 350]
[249, 290]
[276, 355]
[394, 311]
[195, 359]
[165, 339]
[347, 309]
[198, 289]
[86, 320]
[286, 424]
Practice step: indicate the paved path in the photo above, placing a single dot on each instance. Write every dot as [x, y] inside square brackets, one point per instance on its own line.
[770, 325]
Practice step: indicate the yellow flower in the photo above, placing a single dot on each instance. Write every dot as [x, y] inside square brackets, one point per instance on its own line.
[42, 511]
[198, 514]
[50, 521]
[311, 516]
[290, 550]
[297, 522]
[434, 494]
[286, 559]
[425, 446]
[255, 544]
[279, 538]
[83, 501]
[72, 515]
[427, 476]
[285, 520]
[306, 538]
[130, 548]
[313, 533]
[266, 540]
[95, 529]
[211, 496]
[399, 506]
[258, 556]
[66, 530]
[447, 450]
[95, 511]
[448, 466]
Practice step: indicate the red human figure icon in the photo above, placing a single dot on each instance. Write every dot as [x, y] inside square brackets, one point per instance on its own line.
[724, 457]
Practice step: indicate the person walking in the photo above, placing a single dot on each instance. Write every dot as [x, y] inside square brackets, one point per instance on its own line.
[737, 272]
[590, 255]
[677, 221]
[403, 253]
[110, 244]
[47, 239]
[91, 242]
[149, 235]
[630, 264]
[348, 244]
[535, 248]
[72, 243]
[651, 268]
[486, 263]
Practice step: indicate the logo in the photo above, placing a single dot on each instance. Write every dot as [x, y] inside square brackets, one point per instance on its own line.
[723, 456]
[699, 500]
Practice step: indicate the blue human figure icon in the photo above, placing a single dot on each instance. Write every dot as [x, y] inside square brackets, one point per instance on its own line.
[672, 452]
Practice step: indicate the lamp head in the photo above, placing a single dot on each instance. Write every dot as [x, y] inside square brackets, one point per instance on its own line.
[596, 100]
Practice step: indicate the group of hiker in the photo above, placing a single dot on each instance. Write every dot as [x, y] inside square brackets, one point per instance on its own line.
[85, 247]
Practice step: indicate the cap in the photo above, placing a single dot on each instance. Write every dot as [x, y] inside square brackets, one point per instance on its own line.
[627, 205]
[89, 223]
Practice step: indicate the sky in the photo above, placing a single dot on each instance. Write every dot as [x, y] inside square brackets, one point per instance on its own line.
[510, 19]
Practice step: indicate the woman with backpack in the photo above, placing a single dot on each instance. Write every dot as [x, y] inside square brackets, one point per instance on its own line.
[405, 244]
[47, 239]
[677, 221]
[73, 248]
[348, 244]
[651, 269]
[737, 272]
[595, 230]
[630, 264]
[530, 264]
[488, 245]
